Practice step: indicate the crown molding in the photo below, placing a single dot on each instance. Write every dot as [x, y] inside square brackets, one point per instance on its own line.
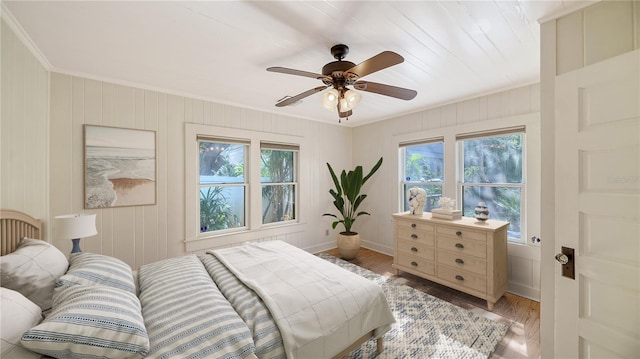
[8, 17]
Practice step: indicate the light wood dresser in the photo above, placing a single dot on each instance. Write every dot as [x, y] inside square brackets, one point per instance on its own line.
[464, 254]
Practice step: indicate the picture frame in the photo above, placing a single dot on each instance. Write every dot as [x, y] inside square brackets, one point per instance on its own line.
[120, 167]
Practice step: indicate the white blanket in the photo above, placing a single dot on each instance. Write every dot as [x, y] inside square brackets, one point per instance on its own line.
[319, 307]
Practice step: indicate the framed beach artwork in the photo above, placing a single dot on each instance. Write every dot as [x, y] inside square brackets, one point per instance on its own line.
[119, 167]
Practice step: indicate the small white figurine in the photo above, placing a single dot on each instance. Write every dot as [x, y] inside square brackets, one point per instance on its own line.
[446, 203]
[416, 198]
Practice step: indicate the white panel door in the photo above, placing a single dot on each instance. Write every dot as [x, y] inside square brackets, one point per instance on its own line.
[598, 209]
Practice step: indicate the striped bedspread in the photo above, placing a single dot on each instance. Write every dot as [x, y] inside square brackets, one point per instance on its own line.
[266, 300]
[250, 307]
[187, 316]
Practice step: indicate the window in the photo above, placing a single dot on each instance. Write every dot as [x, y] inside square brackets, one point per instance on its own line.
[223, 184]
[242, 185]
[423, 166]
[278, 176]
[492, 171]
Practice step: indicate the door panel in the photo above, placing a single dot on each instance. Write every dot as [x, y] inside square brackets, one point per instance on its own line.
[598, 209]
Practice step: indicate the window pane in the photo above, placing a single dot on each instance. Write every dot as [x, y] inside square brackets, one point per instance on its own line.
[221, 162]
[434, 192]
[278, 203]
[276, 166]
[503, 204]
[493, 159]
[221, 208]
[424, 163]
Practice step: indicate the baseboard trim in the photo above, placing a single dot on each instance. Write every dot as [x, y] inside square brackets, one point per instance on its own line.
[377, 247]
[524, 291]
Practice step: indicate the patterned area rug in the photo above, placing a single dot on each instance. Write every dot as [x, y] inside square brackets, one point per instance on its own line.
[426, 327]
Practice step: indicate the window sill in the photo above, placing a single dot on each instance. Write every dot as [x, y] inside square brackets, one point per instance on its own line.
[214, 241]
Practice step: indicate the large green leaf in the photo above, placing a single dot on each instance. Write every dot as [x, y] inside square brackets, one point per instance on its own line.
[346, 195]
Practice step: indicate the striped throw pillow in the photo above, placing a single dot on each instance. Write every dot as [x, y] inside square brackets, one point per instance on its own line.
[98, 269]
[92, 322]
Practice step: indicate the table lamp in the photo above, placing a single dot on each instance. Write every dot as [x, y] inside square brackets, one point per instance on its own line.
[74, 227]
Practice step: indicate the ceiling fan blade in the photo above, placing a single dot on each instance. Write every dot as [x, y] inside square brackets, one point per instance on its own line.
[284, 70]
[387, 90]
[380, 61]
[298, 97]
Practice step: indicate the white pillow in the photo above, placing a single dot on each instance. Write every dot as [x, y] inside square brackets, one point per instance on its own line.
[33, 269]
[91, 321]
[18, 314]
[98, 269]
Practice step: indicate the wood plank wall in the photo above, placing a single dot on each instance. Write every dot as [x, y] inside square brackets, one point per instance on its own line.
[24, 136]
[142, 234]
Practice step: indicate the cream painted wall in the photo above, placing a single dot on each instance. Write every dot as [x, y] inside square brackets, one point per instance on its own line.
[24, 131]
[143, 234]
[503, 109]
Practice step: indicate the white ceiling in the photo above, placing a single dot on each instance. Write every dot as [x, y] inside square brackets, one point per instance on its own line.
[219, 50]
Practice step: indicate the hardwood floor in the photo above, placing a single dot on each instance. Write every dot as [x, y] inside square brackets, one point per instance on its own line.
[522, 315]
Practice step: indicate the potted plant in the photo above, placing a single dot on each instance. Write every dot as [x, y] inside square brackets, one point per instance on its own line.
[347, 198]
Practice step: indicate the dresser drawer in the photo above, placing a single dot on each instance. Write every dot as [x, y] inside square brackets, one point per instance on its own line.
[462, 233]
[415, 225]
[417, 263]
[463, 261]
[417, 249]
[464, 246]
[463, 278]
[427, 238]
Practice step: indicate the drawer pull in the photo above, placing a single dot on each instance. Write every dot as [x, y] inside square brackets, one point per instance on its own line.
[414, 264]
[459, 261]
[458, 233]
[459, 245]
[459, 277]
[413, 225]
[414, 249]
[414, 236]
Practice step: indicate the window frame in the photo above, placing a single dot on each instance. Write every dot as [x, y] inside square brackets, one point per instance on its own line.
[295, 182]
[460, 182]
[244, 184]
[254, 229]
[403, 173]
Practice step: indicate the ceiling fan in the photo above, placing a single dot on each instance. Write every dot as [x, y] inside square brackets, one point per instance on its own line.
[340, 74]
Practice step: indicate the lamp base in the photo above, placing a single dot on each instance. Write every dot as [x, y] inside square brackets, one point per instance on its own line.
[76, 245]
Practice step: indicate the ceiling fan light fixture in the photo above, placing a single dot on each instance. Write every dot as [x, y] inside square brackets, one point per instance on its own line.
[353, 98]
[330, 99]
[340, 74]
[343, 105]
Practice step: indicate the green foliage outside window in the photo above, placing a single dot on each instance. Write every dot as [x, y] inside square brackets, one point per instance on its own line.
[221, 207]
[493, 173]
[278, 192]
[215, 211]
[423, 168]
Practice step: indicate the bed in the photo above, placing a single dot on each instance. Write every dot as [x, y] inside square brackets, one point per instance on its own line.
[257, 300]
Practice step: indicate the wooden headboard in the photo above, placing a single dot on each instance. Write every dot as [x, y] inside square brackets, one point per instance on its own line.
[14, 226]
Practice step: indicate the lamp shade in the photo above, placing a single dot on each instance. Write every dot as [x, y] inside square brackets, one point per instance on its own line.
[330, 99]
[353, 98]
[72, 226]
